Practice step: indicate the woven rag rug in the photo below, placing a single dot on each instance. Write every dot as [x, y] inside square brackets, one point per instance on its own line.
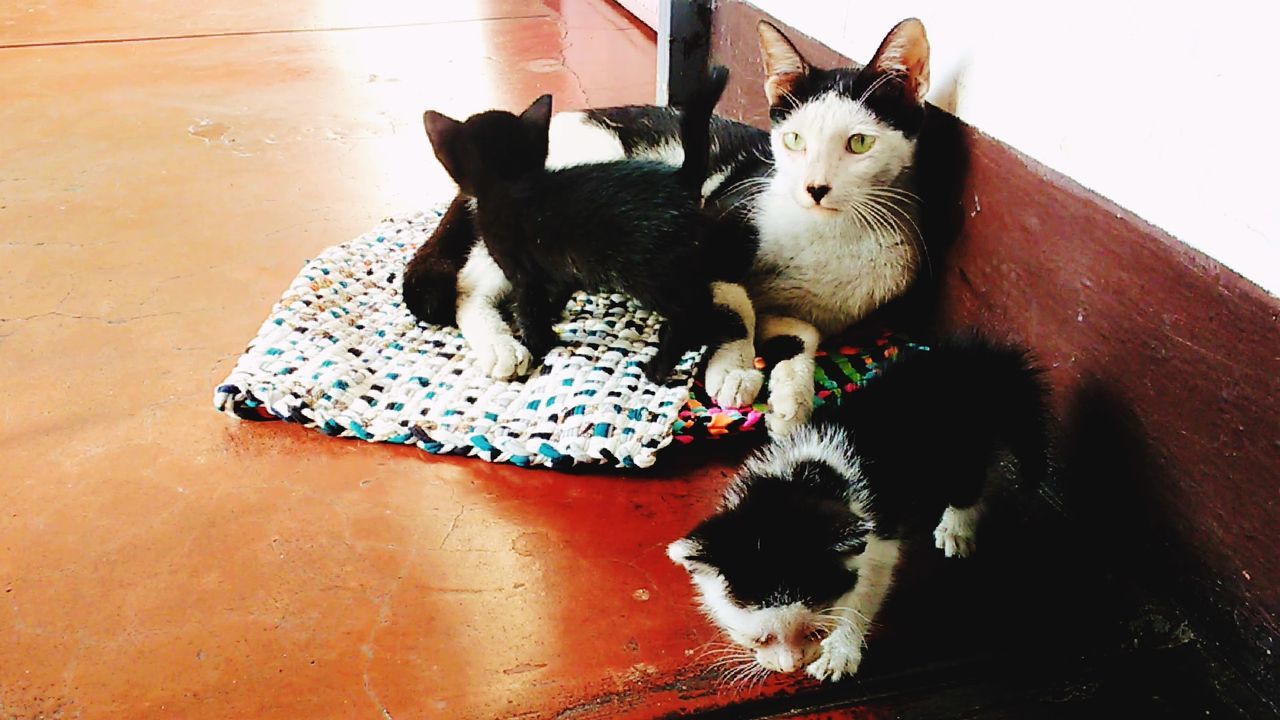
[340, 353]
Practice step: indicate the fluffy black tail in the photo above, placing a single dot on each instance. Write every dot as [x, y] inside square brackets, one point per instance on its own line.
[695, 129]
[1016, 394]
[952, 406]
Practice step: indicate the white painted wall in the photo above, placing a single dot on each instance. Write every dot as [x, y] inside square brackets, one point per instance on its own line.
[1168, 109]
[646, 11]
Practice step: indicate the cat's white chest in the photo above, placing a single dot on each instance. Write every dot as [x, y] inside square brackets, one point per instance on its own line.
[830, 270]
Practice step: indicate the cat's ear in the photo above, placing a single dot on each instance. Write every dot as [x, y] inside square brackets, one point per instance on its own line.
[538, 115]
[905, 53]
[783, 63]
[445, 134]
[687, 553]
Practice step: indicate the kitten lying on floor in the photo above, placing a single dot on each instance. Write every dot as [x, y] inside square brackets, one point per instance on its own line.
[629, 226]
[799, 557]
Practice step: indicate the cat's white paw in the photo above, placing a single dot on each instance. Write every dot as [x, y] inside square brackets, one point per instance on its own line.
[840, 658]
[956, 534]
[503, 358]
[790, 396]
[731, 380]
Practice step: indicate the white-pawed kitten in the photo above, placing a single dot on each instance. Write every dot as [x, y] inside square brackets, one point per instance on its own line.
[798, 559]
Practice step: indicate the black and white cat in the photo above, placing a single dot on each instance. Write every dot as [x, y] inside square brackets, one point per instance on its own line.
[798, 559]
[823, 209]
[629, 226]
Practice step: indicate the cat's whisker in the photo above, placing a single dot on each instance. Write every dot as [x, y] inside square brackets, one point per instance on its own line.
[716, 657]
[748, 679]
[895, 215]
[787, 94]
[873, 219]
[861, 215]
[747, 197]
[834, 619]
[893, 190]
[755, 150]
[748, 181]
[758, 676]
[724, 652]
[735, 675]
[732, 662]
[879, 81]
[844, 608]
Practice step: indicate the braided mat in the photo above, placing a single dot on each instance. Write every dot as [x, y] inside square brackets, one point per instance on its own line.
[340, 353]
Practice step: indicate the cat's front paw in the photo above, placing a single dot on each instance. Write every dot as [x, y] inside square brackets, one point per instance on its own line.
[731, 381]
[956, 534]
[790, 396]
[504, 358]
[840, 658]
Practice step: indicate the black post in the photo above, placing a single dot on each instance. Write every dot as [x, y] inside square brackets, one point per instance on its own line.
[684, 39]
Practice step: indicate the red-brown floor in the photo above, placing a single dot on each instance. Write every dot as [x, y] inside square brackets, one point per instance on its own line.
[165, 168]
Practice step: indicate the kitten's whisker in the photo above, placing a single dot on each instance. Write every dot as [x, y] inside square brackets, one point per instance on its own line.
[727, 663]
[758, 676]
[720, 653]
[733, 677]
[852, 611]
[717, 656]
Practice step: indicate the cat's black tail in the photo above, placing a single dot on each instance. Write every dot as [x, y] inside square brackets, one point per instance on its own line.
[955, 404]
[695, 129]
[1016, 393]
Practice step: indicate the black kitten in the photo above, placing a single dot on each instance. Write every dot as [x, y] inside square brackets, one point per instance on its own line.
[795, 564]
[629, 226]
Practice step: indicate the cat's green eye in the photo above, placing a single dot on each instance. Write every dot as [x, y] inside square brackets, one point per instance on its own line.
[792, 141]
[859, 143]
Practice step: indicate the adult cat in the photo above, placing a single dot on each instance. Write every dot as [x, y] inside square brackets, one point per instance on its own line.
[823, 208]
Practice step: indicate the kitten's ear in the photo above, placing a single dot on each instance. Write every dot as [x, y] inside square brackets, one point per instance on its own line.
[445, 134]
[783, 63]
[905, 53]
[538, 115]
[687, 553]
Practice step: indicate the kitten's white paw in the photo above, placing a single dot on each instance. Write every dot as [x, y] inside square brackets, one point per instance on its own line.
[731, 386]
[790, 396]
[504, 358]
[956, 534]
[840, 658]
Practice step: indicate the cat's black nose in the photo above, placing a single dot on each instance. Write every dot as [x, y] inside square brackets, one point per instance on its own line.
[817, 192]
